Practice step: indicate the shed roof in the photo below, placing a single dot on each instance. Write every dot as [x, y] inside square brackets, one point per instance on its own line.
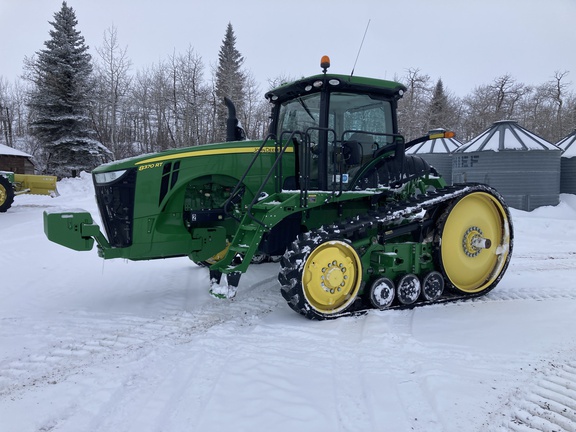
[438, 145]
[5, 150]
[566, 144]
[506, 135]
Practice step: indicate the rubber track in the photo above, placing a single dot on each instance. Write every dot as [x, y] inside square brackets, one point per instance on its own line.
[355, 228]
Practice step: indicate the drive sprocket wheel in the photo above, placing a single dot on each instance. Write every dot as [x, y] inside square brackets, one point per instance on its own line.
[320, 277]
[474, 241]
[6, 194]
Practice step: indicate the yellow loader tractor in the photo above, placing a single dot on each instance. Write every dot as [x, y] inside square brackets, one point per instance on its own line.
[12, 184]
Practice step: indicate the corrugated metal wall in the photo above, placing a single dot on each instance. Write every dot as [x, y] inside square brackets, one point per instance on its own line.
[568, 164]
[526, 179]
[568, 175]
[442, 162]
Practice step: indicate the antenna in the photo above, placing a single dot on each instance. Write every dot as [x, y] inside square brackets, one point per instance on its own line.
[360, 49]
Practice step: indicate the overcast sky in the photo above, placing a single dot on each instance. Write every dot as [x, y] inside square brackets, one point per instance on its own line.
[464, 42]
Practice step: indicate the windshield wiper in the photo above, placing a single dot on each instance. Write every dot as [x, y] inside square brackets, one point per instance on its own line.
[306, 108]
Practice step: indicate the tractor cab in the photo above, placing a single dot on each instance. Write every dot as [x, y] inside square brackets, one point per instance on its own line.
[337, 124]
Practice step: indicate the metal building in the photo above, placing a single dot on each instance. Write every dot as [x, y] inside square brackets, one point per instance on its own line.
[568, 164]
[523, 167]
[438, 153]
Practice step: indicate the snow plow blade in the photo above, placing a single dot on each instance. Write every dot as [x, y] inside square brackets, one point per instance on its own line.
[72, 229]
[35, 184]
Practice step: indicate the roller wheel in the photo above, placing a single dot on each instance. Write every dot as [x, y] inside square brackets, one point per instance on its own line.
[474, 242]
[409, 289]
[6, 194]
[320, 277]
[432, 286]
[382, 293]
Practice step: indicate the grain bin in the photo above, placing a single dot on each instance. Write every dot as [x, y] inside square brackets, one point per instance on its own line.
[568, 164]
[438, 153]
[522, 166]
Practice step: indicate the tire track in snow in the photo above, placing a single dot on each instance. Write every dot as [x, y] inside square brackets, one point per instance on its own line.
[543, 261]
[554, 289]
[99, 338]
[83, 340]
[548, 404]
[352, 407]
[362, 375]
[158, 390]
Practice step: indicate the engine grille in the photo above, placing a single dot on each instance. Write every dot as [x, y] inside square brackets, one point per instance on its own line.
[116, 204]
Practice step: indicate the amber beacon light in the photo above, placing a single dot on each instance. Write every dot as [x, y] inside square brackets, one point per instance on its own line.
[325, 63]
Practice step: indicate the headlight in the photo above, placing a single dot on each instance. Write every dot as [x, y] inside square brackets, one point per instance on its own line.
[108, 177]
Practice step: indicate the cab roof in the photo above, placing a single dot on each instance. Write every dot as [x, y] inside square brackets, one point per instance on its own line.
[336, 82]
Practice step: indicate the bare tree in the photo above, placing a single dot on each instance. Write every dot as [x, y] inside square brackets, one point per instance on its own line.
[256, 114]
[557, 88]
[188, 96]
[141, 107]
[506, 94]
[493, 102]
[5, 113]
[413, 106]
[113, 85]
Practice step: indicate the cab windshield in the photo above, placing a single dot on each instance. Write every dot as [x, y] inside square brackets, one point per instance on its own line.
[347, 112]
[300, 114]
[361, 118]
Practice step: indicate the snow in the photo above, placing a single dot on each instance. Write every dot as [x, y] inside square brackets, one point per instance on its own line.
[438, 145]
[94, 345]
[506, 135]
[566, 144]
[5, 150]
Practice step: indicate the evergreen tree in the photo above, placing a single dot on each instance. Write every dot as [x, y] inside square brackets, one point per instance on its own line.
[60, 97]
[438, 109]
[230, 81]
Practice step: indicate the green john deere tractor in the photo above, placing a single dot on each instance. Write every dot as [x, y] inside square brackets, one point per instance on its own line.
[355, 222]
[12, 184]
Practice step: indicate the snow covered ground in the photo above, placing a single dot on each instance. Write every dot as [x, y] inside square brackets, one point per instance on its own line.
[93, 345]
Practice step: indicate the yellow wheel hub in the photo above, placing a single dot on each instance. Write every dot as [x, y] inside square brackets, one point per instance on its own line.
[331, 276]
[3, 194]
[475, 242]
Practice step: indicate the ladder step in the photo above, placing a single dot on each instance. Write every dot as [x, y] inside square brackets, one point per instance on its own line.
[249, 227]
[239, 248]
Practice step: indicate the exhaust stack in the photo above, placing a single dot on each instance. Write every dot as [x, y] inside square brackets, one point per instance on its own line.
[234, 132]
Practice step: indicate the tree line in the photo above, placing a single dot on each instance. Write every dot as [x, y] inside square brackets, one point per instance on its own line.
[111, 112]
[548, 109]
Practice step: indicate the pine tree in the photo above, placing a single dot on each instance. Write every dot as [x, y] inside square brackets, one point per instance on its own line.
[438, 109]
[230, 81]
[60, 98]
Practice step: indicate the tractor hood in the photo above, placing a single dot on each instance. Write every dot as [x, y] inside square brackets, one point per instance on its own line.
[157, 160]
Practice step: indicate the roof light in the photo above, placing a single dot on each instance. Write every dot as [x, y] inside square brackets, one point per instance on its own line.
[334, 82]
[325, 63]
[317, 84]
